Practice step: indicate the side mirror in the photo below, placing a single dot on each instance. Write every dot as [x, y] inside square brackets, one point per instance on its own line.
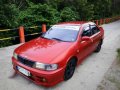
[86, 38]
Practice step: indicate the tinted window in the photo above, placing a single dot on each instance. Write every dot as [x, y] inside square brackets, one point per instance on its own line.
[86, 31]
[94, 29]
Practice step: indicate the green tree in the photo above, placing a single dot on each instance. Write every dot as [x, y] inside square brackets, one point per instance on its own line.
[9, 12]
[82, 8]
[8, 15]
[67, 14]
[39, 13]
[102, 8]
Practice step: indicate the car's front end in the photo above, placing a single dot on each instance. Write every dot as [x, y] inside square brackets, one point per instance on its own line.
[38, 62]
[47, 77]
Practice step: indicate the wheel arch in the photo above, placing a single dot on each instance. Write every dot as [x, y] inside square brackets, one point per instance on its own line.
[72, 57]
[101, 41]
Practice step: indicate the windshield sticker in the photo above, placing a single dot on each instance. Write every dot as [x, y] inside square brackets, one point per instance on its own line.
[67, 27]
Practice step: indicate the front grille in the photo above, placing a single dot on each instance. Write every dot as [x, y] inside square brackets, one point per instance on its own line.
[25, 61]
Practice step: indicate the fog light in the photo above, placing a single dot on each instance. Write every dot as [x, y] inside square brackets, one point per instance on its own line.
[42, 79]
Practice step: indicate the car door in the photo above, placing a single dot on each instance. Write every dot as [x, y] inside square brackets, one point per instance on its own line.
[85, 46]
[95, 36]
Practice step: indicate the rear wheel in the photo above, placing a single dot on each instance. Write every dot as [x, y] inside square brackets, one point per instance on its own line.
[98, 48]
[70, 68]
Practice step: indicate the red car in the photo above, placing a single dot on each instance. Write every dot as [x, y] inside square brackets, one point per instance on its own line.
[54, 55]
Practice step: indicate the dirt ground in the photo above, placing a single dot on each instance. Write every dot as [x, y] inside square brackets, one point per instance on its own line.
[111, 80]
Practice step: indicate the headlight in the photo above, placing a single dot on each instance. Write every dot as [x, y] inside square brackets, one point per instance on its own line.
[47, 67]
[15, 55]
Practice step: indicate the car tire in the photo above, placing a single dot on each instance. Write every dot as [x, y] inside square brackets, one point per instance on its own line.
[98, 48]
[70, 68]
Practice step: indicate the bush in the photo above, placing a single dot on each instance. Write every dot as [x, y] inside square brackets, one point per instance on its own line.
[9, 16]
[38, 14]
[67, 14]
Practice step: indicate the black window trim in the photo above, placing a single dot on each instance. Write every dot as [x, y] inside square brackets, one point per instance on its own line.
[91, 29]
[83, 29]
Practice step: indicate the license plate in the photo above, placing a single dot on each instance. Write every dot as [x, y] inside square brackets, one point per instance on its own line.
[23, 71]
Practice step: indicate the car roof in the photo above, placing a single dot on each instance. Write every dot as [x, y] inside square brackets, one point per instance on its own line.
[74, 23]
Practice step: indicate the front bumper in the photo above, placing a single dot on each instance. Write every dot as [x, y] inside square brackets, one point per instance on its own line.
[40, 77]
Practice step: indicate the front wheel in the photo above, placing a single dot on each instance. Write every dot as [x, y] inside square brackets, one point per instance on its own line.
[70, 68]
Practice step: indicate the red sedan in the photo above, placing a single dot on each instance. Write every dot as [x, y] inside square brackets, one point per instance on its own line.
[54, 55]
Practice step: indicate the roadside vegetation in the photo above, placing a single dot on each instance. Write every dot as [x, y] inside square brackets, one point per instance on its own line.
[15, 13]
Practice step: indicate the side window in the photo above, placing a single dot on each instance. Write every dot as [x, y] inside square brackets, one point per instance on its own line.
[94, 29]
[86, 31]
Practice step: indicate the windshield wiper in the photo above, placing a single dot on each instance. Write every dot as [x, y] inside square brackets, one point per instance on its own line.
[58, 39]
[44, 37]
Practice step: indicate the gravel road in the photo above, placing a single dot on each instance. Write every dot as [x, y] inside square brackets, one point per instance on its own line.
[87, 75]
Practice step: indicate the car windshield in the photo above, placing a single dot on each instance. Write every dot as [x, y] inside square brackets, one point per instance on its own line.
[62, 33]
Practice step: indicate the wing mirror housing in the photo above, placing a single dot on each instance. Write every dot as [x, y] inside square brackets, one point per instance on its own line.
[86, 38]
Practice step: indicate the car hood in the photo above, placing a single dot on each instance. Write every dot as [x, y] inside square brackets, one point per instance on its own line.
[42, 50]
